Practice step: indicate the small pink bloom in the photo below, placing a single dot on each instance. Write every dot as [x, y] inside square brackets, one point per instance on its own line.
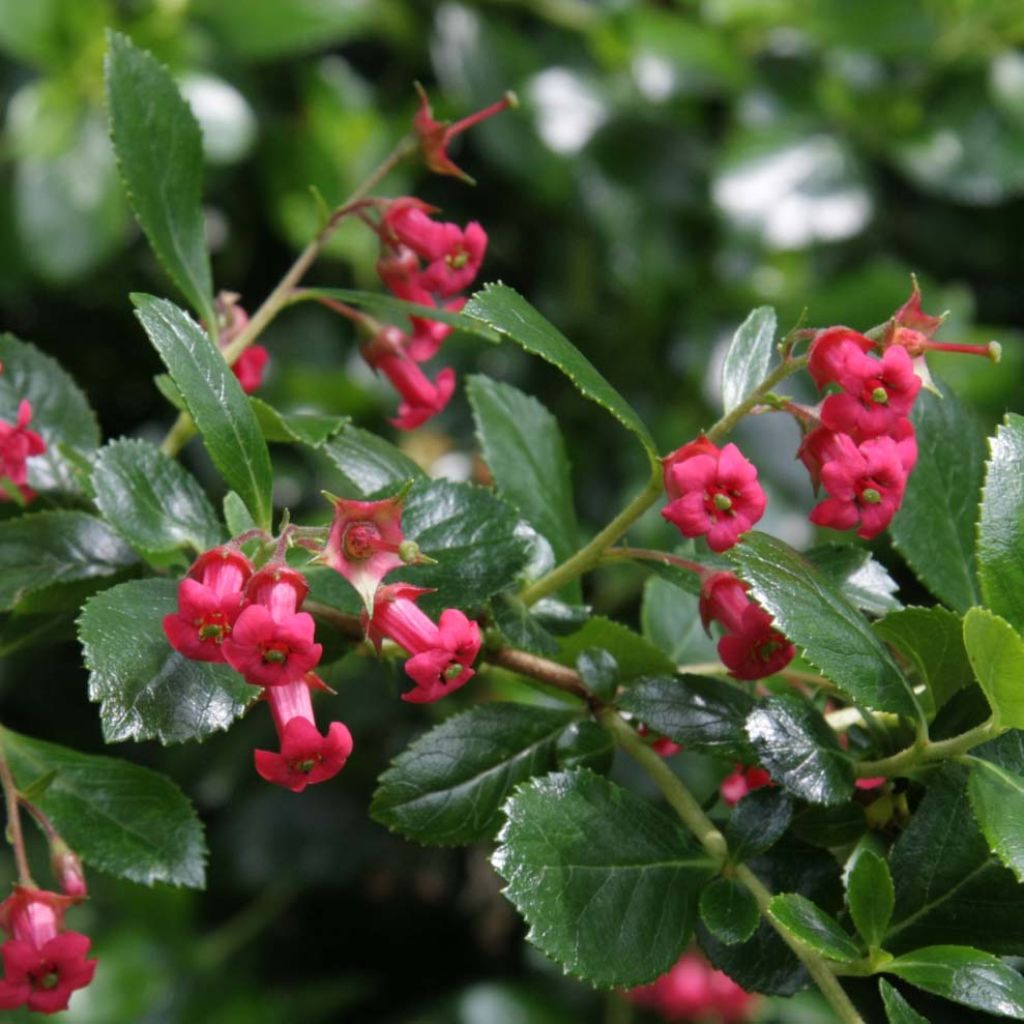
[399, 269]
[741, 781]
[815, 450]
[865, 484]
[272, 642]
[830, 351]
[17, 445]
[428, 335]
[422, 399]
[876, 394]
[713, 493]
[442, 653]
[458, 262]
[751, 647]
[67, 868]
[209, 601]
[364, 541]
[435, 136]
[232, 319]
[249, 368]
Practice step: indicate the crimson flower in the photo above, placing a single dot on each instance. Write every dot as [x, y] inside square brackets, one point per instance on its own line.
[830, 352]
[17, 445]
[741, 781]
[876, 394]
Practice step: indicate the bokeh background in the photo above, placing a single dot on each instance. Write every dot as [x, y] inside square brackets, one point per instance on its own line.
[671, 166]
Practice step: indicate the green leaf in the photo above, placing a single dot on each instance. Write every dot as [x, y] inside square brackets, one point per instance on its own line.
[897, 1009]
[50, 549]
[964, 975]
[829, 827]
[584, 744]
[599, 671]
[519, 627]
[814, 928]
[870, 895]
[706, 715]
[934, 528]
[749, 356]
[636, 657]
[607, 883]
[512, 316]
[932, 642]
[146, 689]
[758, 822]
[729, 911]
[448, 787]
[473, 536]
[862, 580]
[301, 427]
[155, 504]
[368, 463]
[119, 817]
[60, 412]
[236, 515]
[159, 151]
[997, 798]
[1001, 527]
[996, 653]
[525, 453]
[670, 619]
[216, 401]
[812, 612]
[946, 881]
[798, 749]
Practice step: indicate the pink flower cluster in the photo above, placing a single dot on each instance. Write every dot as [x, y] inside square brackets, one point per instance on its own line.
[43, 963]
[17, 445]
[253, 622]
[694, 991]
[428, 262]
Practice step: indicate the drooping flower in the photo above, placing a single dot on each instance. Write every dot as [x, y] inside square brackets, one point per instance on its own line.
[422, 398]
[442, 652]
[876, 394]
[272, 642]
[17, 445]
[306, 757]
[751, 647]
[67, 868]
[428, 335]
[743, 779]
[209, 602]
[435, 136]
[712, 493]
[232, 319]
[43, 965]
[249, 368]
[830, 352]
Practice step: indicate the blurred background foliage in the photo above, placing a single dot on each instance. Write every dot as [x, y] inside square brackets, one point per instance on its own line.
[671, 166]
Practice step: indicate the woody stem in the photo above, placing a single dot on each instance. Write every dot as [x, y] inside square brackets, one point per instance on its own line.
[14, 833]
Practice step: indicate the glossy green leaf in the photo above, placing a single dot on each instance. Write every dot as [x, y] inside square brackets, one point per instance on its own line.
[812, 612]
[829, 827]
[870, 895]
[706, 715]
[519, 626]
[216, 401]
[670, 619]
[473, 536]
[503, 309]
[155, 504]
[861, 579]
[301, 427]
[758, 822]
[368, 463]
[119, 817]
[448, 787]
[1001, 527]
[236, 515]
[159, 151]
[934, 529]
[897, 1009]
[814, 928]
[964, 975]
[729, 911]
[60, 412]
[798, 749]
[44, 550]
[584, 744]
[996, 653]
[931, 640]
[947, 883]
[635, 656]
[997, 798]
[599, 671]
[748, 357]
[607, 883]
[525, 453]
[145, 688]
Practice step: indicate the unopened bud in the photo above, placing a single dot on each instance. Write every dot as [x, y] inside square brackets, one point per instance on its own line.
[68, 870]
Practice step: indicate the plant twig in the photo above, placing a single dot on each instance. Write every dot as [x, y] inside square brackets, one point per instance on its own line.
[927, 751]
[14, 833]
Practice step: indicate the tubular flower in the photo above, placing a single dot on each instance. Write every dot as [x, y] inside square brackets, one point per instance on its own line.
[43, 964]
[231, 321]
[306, 757]
[865, 484]
[271, 642]
[741, 781]
[876, 394]
[694, 990]
[831, 350]
[442, 652]
[17, 445]
[428, 335]
[751, 647]
[712, 492]
[912, 329]
[209, 602]
[435, 136]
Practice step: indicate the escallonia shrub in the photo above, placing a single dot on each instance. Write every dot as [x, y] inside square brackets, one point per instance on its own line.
[867, 836]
